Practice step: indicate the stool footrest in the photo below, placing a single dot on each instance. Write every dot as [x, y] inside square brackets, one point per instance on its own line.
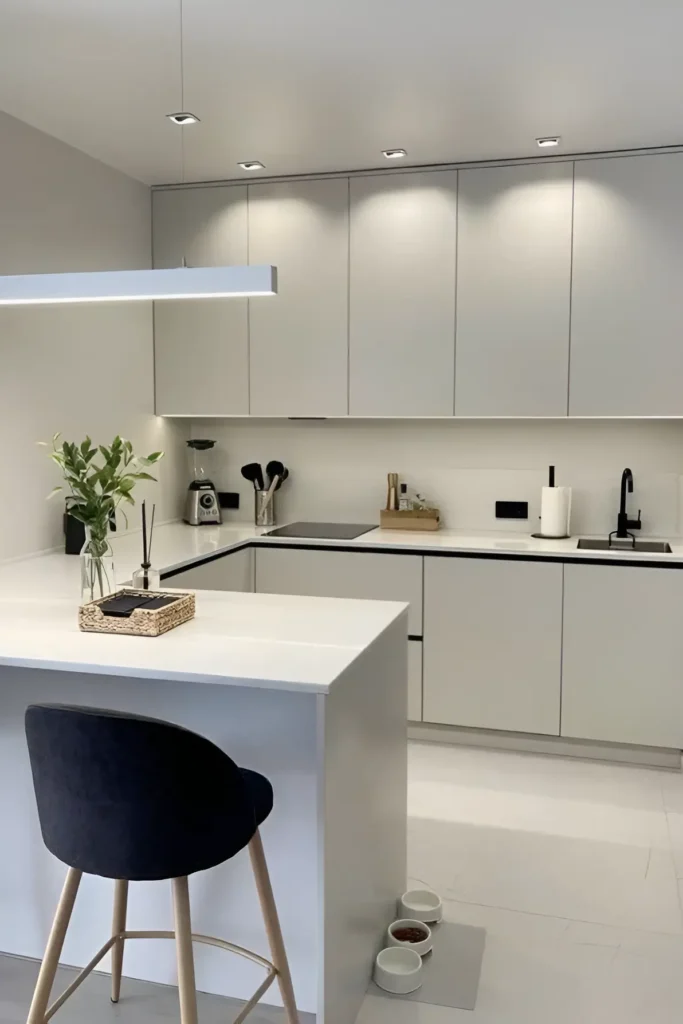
[207, 940]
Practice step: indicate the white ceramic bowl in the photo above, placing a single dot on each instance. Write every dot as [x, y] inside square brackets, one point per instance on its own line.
[419, 947]
[421, 905]
[398, 970]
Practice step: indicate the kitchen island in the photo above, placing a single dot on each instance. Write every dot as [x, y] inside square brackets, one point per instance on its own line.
[310, 692]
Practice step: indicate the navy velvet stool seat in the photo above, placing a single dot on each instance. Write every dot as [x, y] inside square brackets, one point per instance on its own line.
[133, 799]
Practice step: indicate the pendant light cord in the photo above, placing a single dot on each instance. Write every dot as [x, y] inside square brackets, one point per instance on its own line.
[182, 127]
[182, 90]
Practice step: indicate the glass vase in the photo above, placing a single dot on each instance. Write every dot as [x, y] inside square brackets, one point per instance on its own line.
[97, 568]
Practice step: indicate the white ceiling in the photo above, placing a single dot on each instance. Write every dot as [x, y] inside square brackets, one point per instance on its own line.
[319, 85]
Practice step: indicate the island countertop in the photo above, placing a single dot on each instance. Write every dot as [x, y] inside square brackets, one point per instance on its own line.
[265, 640]
[309, 692]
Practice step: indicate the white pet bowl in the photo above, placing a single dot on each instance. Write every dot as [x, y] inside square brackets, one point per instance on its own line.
[398, 970]
[421, 905]
[419, 947]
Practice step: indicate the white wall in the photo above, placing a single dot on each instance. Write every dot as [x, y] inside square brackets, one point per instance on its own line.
[338, 468]
[78, 369]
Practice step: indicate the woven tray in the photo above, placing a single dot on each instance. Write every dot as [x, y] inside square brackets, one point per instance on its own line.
[413, 519]
[152, 622]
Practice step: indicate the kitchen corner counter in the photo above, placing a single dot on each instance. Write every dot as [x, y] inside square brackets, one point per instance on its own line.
[178, 546]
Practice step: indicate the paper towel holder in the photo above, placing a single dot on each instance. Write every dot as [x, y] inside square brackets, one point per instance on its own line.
[554, 536]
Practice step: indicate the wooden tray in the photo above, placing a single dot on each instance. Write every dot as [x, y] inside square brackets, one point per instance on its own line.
[414, 519]
[152, 622]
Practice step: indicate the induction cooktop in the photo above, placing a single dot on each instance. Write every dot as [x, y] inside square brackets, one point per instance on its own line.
[323, 531]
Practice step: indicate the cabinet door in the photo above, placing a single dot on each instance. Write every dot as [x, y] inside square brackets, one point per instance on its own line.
[414, 680]
[514, 269]
[232, 572]
[622, 661]
[627, 299]
[402, 294]
[299, 339]
[201, 347]
[492, 644]
[370, 576]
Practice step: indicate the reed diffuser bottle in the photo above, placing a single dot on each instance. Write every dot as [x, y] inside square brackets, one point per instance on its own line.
[146, 577]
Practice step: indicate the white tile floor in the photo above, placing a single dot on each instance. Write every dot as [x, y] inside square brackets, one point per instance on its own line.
[574, 868]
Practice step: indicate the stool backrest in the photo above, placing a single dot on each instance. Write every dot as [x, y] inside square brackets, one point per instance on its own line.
[124, 796]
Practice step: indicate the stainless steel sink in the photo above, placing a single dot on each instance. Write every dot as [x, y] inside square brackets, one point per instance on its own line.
[654, 547]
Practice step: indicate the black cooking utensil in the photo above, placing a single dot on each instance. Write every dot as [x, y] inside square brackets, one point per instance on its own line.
[283, 476]
[273, 469]
[254, 474]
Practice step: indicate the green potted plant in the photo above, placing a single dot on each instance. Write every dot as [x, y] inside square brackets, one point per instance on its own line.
[97, 487]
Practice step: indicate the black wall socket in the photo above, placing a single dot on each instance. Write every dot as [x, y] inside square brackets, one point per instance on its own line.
[512, 510]
[228, 499]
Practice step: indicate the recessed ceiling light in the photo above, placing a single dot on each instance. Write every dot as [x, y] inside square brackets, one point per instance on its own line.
[548, 141]
[251, 165]
[183, 117]
[394, 154]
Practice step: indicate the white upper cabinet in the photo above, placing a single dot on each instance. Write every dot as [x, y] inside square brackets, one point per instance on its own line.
[299, 339]
[201, 346]
[402, 294]
[627, 291]
[514, 270]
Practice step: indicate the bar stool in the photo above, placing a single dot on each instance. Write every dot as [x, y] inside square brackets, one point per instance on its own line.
[137, 799]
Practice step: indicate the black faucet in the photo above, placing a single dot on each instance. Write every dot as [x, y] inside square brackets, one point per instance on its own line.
[624, 524]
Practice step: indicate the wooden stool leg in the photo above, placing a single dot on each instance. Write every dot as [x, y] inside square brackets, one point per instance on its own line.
[118, 925]
[273, 930]
[55, 943]
[187, 990]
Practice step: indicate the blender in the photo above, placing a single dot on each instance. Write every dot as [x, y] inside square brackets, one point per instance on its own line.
[201, 505]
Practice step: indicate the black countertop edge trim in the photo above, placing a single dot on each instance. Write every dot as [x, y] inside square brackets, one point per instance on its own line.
[206, 559]
[383, 550]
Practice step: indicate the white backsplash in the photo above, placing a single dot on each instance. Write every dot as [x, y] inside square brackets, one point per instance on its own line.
[338, 467]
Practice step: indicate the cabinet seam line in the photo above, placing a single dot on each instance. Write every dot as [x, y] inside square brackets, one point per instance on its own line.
[455, 285]
[422, 651]
[248, 191]
[348, 297]
[571, 285]
[155, 397]
[561, 650]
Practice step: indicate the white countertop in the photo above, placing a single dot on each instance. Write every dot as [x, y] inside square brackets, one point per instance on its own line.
[293, 643]
[283, 643]
[178, 545]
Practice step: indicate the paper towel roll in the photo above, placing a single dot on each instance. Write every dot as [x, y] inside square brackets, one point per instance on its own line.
[556, 506]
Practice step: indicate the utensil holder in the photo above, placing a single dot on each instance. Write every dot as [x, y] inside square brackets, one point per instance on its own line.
[264, 508]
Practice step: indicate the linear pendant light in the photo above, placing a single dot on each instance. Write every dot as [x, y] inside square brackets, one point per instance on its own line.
[139, 285]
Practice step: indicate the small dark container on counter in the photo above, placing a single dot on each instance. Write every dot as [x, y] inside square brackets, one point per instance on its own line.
[74, 535]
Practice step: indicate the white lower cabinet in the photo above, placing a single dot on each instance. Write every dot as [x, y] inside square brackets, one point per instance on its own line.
[231, 572]
[414, 680]
[622, 663]
[354, 574]
[492, 644]
[496, 644]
